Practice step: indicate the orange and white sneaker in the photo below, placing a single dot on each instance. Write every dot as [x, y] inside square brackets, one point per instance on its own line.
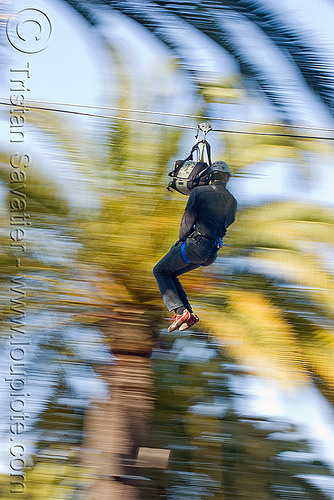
[179, 319]
[191, 322]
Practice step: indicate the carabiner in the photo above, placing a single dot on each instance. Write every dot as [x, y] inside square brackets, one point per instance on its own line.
[204, 127]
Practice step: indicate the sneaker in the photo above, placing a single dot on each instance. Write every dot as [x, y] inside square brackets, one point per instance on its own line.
[191, 322]
[178, 319]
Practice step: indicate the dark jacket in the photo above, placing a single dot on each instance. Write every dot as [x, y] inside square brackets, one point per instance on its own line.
[204, 212]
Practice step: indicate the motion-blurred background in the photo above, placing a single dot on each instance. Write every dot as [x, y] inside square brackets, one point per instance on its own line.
[97, 100]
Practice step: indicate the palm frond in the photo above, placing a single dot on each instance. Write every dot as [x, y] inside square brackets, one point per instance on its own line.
[253, 330]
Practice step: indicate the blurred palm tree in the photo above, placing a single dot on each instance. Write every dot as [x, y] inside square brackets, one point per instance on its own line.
[127, 246]
[285, 60]
[47, 291]
[272, 246]
[286, 57]
[274, 307]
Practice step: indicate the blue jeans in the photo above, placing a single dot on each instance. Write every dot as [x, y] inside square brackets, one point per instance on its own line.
[199, 251]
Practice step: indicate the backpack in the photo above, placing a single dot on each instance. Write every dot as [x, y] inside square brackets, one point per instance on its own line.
[188, 173]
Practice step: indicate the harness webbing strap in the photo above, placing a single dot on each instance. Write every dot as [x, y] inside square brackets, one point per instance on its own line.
[206, 146]
[183, 253]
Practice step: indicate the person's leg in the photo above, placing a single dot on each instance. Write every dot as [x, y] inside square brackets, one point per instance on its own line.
[182, 294]
[166, 272]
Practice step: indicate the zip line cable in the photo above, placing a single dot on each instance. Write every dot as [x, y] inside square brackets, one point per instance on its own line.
[173, 125]
[233, 120]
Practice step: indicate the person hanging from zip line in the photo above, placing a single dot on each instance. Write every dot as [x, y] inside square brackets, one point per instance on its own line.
[211, 208]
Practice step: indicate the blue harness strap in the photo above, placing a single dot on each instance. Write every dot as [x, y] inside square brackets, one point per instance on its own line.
[183, 253]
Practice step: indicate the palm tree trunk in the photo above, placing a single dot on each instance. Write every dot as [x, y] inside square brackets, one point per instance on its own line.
[114, 429]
